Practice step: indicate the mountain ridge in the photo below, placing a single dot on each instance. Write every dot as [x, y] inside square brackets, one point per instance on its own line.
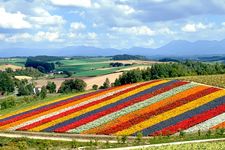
[174, 48]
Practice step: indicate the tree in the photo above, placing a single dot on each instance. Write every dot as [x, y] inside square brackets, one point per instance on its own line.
[72, 85]
[95, 87]
[43, 92]
[41, 65]
[68, 73]
[25, 88]
[22, 90]
[6, 83]
[51, 87]
[106, 84]
[8, 103]
[131, 76]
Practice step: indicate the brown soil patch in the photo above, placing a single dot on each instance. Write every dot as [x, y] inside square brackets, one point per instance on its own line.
[13, 67]
[89, 80]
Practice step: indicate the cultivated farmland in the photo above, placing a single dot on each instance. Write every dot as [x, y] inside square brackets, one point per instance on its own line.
[158, 107]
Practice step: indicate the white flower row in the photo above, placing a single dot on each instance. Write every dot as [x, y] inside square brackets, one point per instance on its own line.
[206, 125]
[69, 108]
[132, 108]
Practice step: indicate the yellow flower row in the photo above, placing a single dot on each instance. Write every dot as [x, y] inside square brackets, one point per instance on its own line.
[94, 107]
[172, 113]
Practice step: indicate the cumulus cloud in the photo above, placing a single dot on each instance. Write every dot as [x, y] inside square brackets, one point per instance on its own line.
[165, 10]
[192, 27]
[20, 37]
[37, 37]
[45, 18]
[136, 30]
[13, 20]
[77, 26]
[49, 36]
[126, 9]
[77, 3]
[223, 23]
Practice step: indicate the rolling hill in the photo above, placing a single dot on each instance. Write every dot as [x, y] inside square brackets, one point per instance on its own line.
[153, 108]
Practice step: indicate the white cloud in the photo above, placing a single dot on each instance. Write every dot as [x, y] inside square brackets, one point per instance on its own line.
[2, 37]
[126, 9]
[136, 30]
[77, 26]
[223, 23]
[92, 35]
[50, 36]
[83, 36]
[166, 30]
[37, 37]
[45, 18]
[13, 20]
[20, 37]
[77, 3]
[194, 27]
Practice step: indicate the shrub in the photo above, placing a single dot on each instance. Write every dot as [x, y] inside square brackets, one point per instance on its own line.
[95, 87]
[139, 138]
[76, 85]
[106, 84]
[51, 87]
[43, 92]
[124, 139]
[8, 103]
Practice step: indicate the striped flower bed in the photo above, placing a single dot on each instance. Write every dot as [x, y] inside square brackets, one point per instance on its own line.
[153, 108]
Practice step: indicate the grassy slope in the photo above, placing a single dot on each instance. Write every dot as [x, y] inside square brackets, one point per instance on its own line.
[88, 67]
[214, 80]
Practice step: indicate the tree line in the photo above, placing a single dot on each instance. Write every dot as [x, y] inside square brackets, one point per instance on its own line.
[42, 66]
[169, 70]
[128, 57]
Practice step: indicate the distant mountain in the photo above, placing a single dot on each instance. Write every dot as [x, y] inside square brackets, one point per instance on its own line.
[67, 51]
[174, 48]
[179, 48]
[184, 48]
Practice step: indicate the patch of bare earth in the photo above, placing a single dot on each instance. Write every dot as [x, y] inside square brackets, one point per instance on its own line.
[89, 80]
[132, 68]
[23, 77]
[13, 67]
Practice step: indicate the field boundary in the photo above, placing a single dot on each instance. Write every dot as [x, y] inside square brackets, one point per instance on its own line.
[86, 138]
[62, 136]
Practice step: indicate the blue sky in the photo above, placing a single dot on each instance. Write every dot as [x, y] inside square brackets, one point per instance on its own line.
[109, 23]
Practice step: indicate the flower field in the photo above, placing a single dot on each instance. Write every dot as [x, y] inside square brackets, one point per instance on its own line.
[153, 108]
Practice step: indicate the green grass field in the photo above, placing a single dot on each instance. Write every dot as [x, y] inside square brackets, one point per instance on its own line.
[88, 67]
[24, 102]
[214, 80]
[84, 67]
[83, 61]
[13, 61]
[79, 67]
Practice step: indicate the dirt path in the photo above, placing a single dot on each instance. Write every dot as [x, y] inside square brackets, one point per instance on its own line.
[87, 138]
[57, 137]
